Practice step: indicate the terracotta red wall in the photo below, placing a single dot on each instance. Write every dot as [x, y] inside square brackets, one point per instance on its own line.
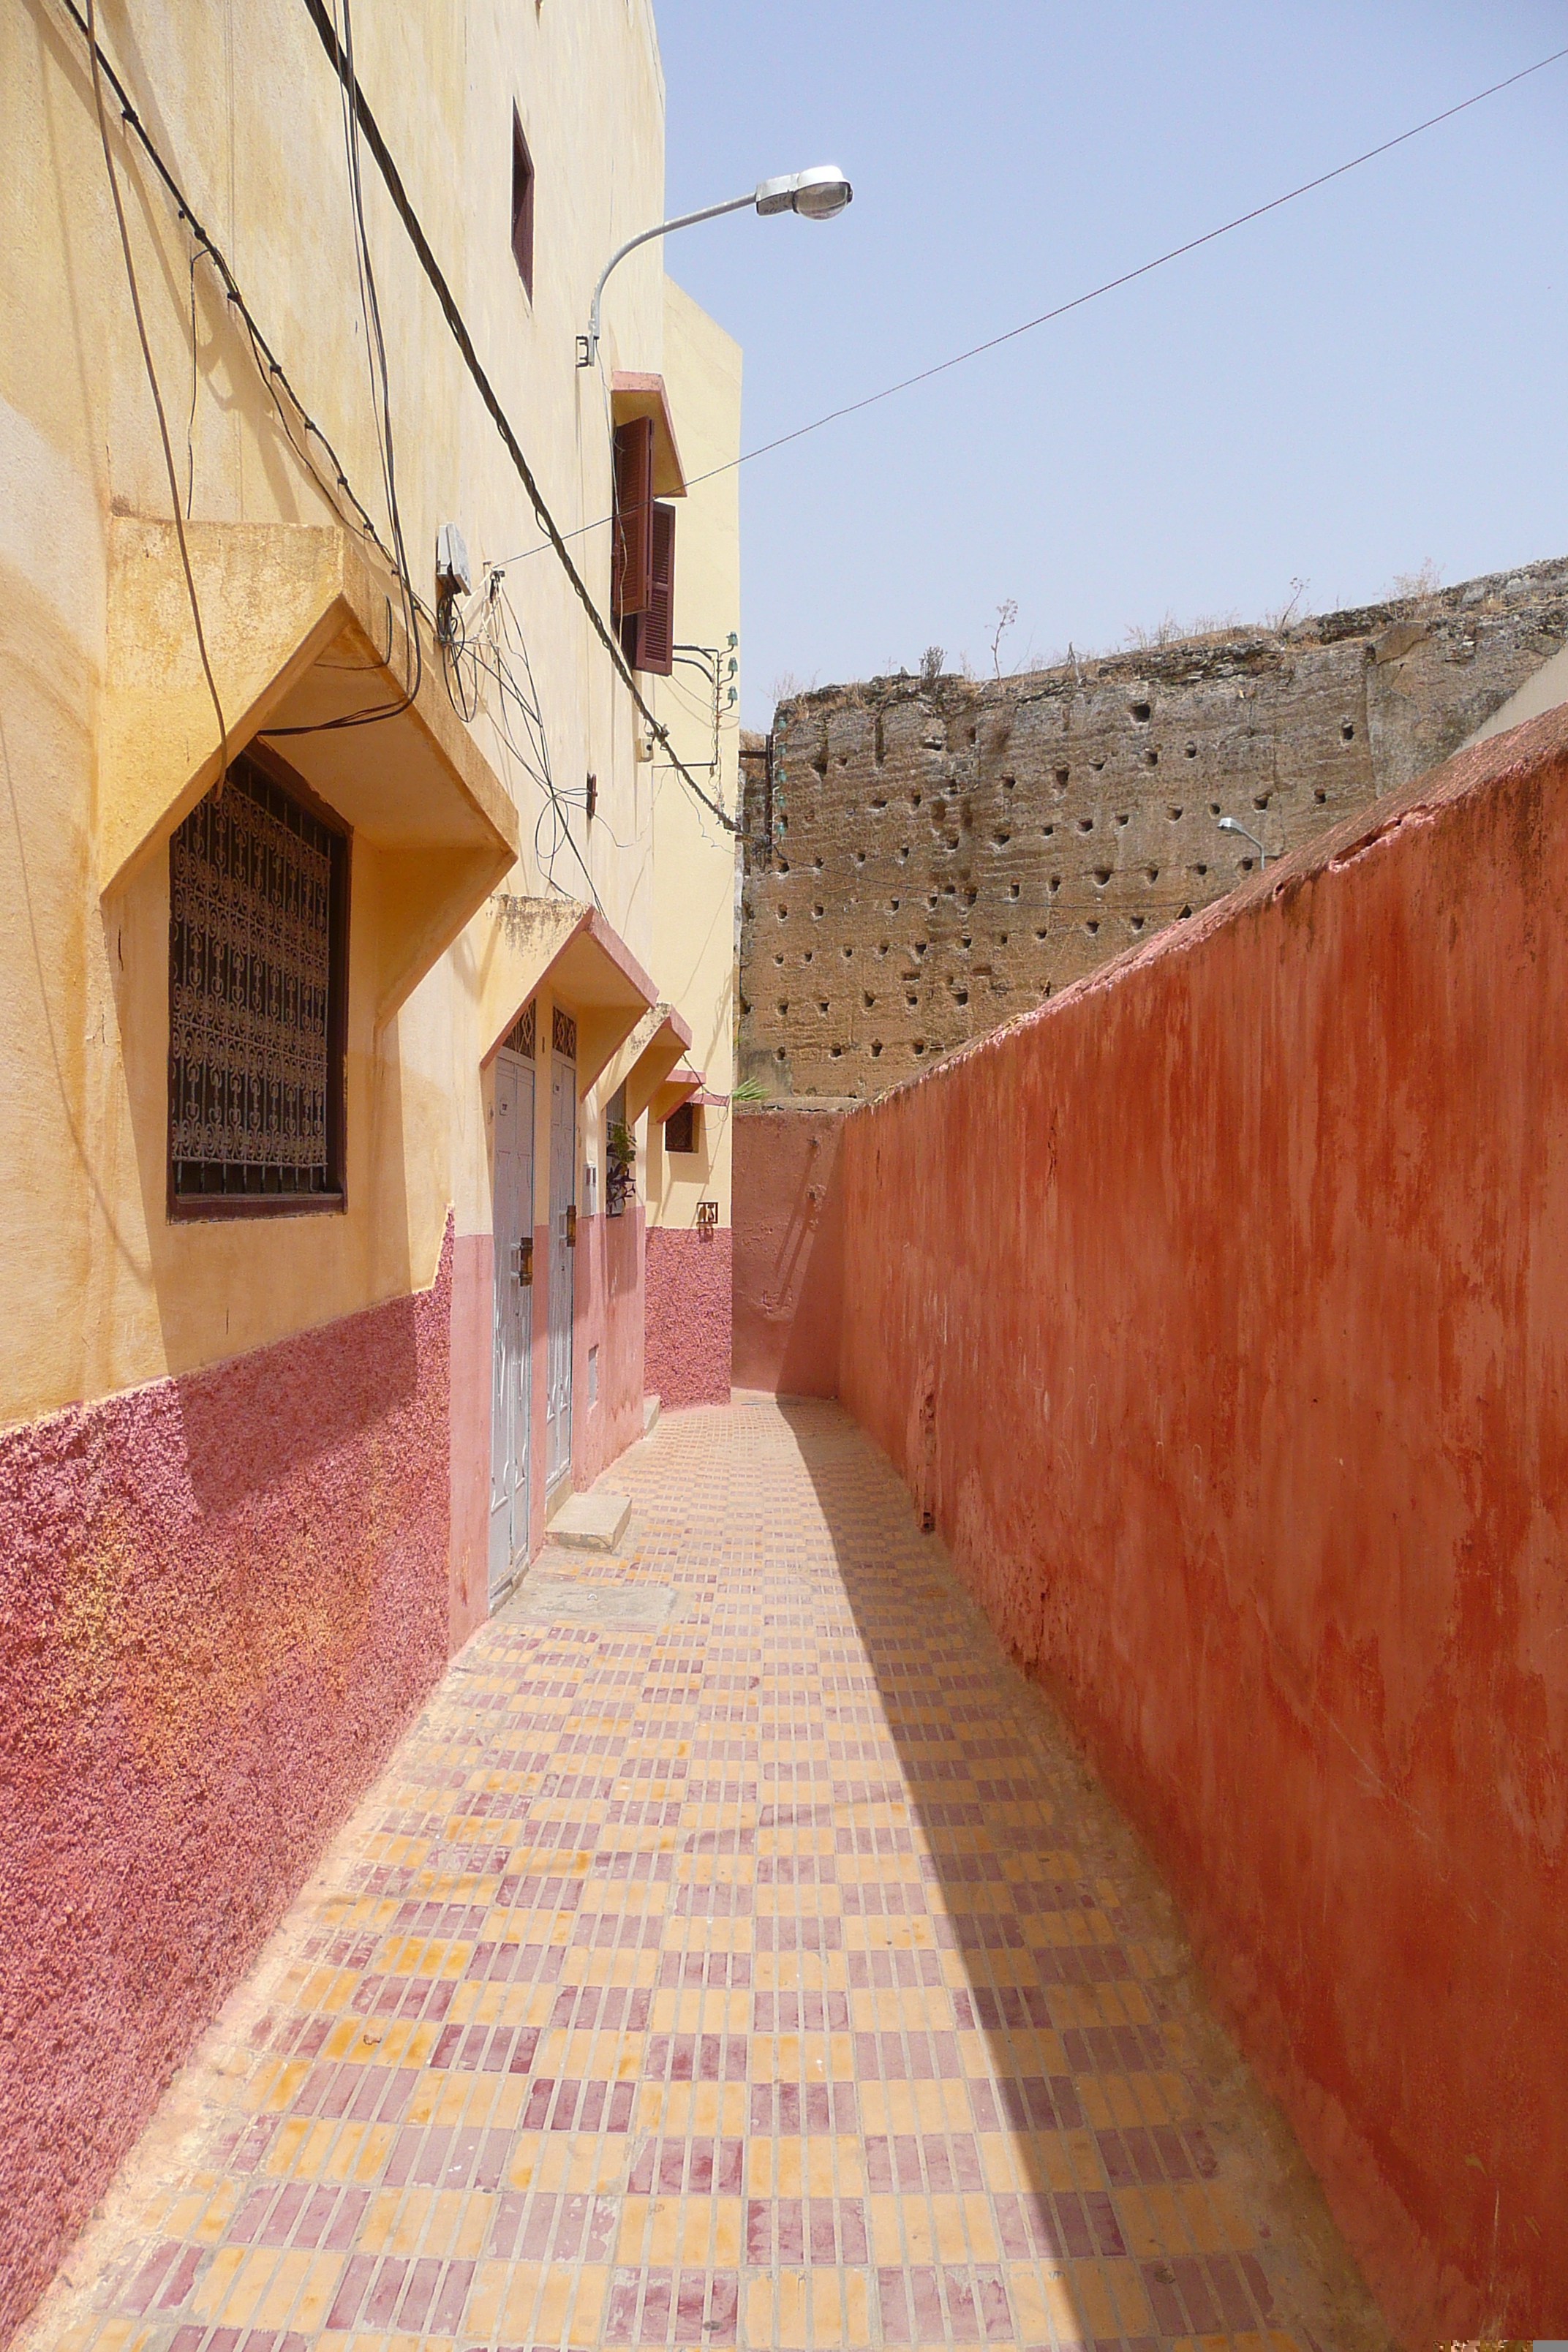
[789, 1246]
[686, 1349]
[221, 1598]
[1220, 1311]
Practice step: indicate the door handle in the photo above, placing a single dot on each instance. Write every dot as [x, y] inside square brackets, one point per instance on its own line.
[525, 1265]
[572, 1226]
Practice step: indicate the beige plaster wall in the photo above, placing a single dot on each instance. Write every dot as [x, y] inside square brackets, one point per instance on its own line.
[694, 856]
[242, 103]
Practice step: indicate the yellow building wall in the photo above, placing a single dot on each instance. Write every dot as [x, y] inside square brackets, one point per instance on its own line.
[102, 1292]
[694, 856]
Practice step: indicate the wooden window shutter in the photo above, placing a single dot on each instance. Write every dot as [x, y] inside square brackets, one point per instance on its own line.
[631, 560]
[648, 639]
[655, 628]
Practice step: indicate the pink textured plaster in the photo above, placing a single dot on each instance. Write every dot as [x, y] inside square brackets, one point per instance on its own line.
[221, 1597]
[473, 1328]
[789, 1249]
[607, 1306]
[688, 1279]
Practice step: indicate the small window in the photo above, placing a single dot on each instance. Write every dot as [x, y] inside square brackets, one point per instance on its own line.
[683, 1128]
[258, 999]
[521, 205]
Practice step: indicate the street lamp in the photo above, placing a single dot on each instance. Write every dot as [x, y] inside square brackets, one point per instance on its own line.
[819, 194]
[1234, 824]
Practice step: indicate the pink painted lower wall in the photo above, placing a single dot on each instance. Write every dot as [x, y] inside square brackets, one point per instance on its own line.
[688, 1275]
[608, 1300]
[1219, 1313]
[221, 1598]
[788, 1249]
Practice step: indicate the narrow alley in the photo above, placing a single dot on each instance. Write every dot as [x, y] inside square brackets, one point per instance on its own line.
[733, 1953]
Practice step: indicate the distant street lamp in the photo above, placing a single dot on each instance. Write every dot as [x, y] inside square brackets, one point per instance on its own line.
[1234, 824]
[820, 193]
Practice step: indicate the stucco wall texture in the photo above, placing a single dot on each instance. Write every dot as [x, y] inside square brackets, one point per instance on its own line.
[1219, 1312]
[788, 1249]
[688, 1275]
[221, 1597]
[926, 859]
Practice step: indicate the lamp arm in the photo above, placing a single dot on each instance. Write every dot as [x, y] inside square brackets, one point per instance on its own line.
[589, 343]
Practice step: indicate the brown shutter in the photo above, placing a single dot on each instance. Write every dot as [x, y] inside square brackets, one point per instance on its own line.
[631, 563]
[656, 627]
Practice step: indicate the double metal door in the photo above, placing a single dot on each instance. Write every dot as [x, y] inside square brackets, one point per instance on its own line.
[563, 1238]
[512, 1334]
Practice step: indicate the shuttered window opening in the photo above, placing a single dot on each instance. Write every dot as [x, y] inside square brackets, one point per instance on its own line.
[631, 556]
[257, 993]
[648, 639]
[683, 1128]
[521, 205]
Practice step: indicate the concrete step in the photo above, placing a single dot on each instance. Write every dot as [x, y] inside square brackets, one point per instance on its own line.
[649, 1415]
[593, 1522]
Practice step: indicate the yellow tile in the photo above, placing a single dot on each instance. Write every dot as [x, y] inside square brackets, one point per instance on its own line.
[588, 2303]
[630, 2236]
[210, 2291]
[886, 2242]
[759, 2309]
[282, 2291]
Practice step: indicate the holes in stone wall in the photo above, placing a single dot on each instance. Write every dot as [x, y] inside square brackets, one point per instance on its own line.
[1009, 783]
[822, 1003]
[1141, 712]
[961, 995]
[1151, 759]
[1001, 939]
[1041, 933]
[1061, 780]
[1184, 913]
[835, 1052]
[1046, 831]
[1137, 922]
[880, 802]
[970, 896]
[778, 959]
[810, 956]
[860, 858]
[1260, 800]
[1086, 824]
[1214, 808]
[881, 946]
[1200, 871]
[910, 997]
[914, 800]
[1102, 875]
[1123, 818]
[784, 1008]
[817, 914]
[783, 914]
[1347, 730]
[1191, 751]
[1151, 874]
[1012, 890]
[919, 1046]
[783, 866]
[892, 906]
[1001, 839]
[1174, 814]
[876, 1049]
[1320, 796]
[867, 999]
[904, 854]
[846, 954]
[816, 865]
[1054, 883]
[1092, 927]
[1096, 765]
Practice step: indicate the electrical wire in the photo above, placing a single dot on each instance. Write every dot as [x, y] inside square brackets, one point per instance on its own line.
[91, 29]
[381, 410]
[1078, 303]
[344, 66]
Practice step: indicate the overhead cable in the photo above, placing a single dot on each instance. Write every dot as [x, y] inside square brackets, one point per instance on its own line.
[1078, 303]
[92, 30]
[374, 140]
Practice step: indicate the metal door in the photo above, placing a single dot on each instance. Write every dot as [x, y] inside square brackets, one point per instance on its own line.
[563, 1237]
[512, 1333]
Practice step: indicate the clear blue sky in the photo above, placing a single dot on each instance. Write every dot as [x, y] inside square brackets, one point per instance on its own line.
[1371, 379]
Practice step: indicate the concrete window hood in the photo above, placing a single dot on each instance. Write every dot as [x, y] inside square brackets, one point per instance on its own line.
[587, 967]
[649, 1055]
[301, 626]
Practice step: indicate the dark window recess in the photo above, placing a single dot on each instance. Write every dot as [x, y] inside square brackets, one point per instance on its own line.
[683, 1128]
[562, 1033]
[259, 879]
[631, 543]
[521, 206]
[620, 1157]
[648, 639]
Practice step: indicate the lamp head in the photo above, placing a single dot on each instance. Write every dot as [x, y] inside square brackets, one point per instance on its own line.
[1229, 824]
[819, 194]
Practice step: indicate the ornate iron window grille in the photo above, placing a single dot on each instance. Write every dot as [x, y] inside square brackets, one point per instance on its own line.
[521, 1038]
[564, 1034]
[258, 937]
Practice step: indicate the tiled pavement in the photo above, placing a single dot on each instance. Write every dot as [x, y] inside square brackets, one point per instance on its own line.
[769, 1980]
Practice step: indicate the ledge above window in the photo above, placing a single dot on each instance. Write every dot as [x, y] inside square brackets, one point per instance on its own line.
[301, 629]
[633, 395]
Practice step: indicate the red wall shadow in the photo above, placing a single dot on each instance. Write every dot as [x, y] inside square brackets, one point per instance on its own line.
[789, 1245]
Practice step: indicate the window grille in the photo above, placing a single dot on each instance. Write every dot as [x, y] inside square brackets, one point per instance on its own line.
[564, 1034]
[683, 1128]
[519, 1038]
[258, 935]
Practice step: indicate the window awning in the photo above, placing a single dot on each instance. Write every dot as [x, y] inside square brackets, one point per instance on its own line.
[533, 943]
[649, 1055]
[302, 629]
[632, 394]
[683, 1084]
